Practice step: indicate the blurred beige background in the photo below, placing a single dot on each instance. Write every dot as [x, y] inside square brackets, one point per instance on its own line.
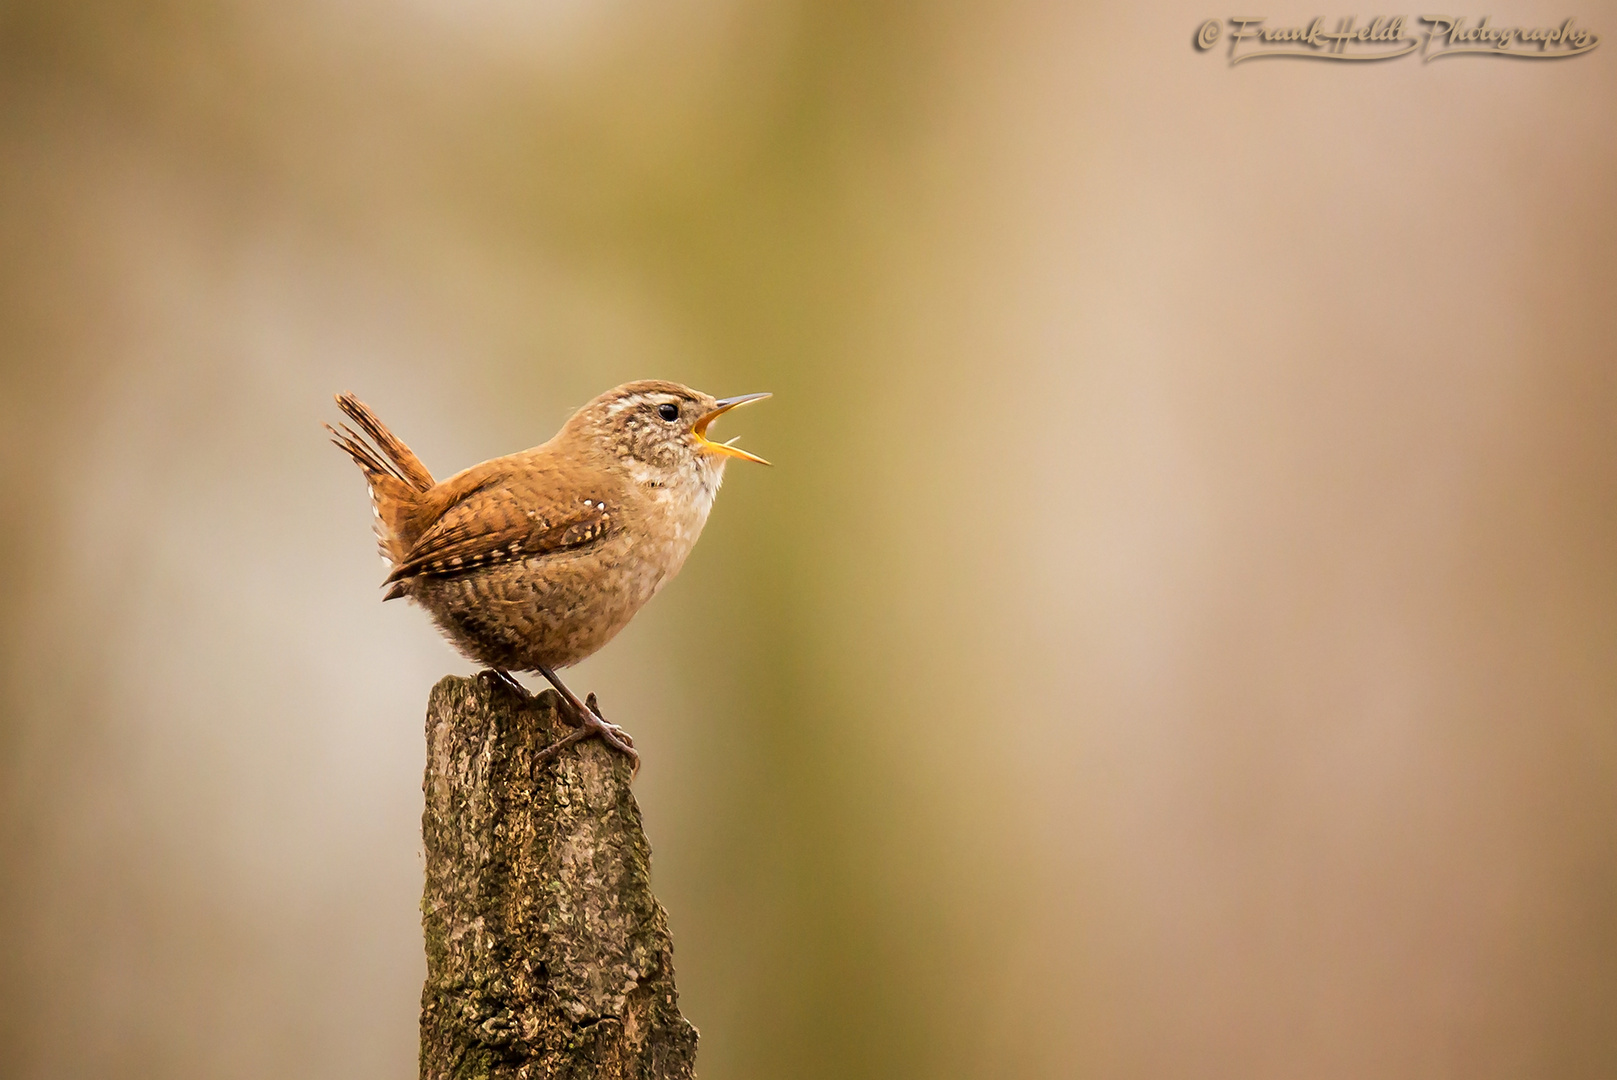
[1178, 639]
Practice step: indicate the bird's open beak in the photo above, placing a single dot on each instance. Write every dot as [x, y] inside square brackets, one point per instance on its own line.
[723, 406]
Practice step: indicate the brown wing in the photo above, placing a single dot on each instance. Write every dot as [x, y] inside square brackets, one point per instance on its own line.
[499, 522]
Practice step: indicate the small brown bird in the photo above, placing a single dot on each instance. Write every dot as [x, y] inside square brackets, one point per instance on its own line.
[532, 561]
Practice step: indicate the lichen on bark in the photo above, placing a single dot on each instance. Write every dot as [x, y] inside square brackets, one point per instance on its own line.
[547, 954]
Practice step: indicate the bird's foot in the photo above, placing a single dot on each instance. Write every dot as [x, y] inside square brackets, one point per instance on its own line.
[625, 741]
[587, 718]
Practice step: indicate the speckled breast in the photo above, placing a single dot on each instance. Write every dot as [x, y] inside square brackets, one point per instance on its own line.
[557, 609]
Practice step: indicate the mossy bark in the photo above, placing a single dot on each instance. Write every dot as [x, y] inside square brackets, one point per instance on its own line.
[547, 955]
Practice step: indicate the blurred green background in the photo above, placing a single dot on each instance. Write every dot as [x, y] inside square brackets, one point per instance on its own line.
[1178, 637]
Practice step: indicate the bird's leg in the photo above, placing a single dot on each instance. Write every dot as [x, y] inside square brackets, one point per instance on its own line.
[510, 680]
[581, 729]
[568, 712]
[586, 718]
[588, 712]
[590, 723]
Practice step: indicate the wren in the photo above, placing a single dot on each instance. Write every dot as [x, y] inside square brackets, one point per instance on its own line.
[534, 560]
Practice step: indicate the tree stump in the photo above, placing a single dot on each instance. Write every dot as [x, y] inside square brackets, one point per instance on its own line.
[547, 955]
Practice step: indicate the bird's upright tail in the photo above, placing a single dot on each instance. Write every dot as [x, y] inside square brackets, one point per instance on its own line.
[396, 476]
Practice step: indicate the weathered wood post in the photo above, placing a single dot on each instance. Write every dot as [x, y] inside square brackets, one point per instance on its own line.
[547, 955]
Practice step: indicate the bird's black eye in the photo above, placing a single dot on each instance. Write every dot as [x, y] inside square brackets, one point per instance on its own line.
[668, 411]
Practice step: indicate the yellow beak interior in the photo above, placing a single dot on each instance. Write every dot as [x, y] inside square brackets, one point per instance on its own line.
[724, 406]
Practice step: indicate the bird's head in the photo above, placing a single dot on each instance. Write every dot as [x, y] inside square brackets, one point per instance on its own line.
[659, 432]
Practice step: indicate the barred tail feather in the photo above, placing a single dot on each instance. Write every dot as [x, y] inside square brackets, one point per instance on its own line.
[407, 466]
[396, 477]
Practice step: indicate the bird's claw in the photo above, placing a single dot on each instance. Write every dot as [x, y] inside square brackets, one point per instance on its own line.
[589, 721]
[626, 740]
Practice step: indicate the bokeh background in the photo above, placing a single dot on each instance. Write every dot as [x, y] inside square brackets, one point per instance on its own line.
[1178, 638]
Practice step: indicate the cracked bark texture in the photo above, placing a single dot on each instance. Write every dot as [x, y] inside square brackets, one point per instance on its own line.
[547, 955]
